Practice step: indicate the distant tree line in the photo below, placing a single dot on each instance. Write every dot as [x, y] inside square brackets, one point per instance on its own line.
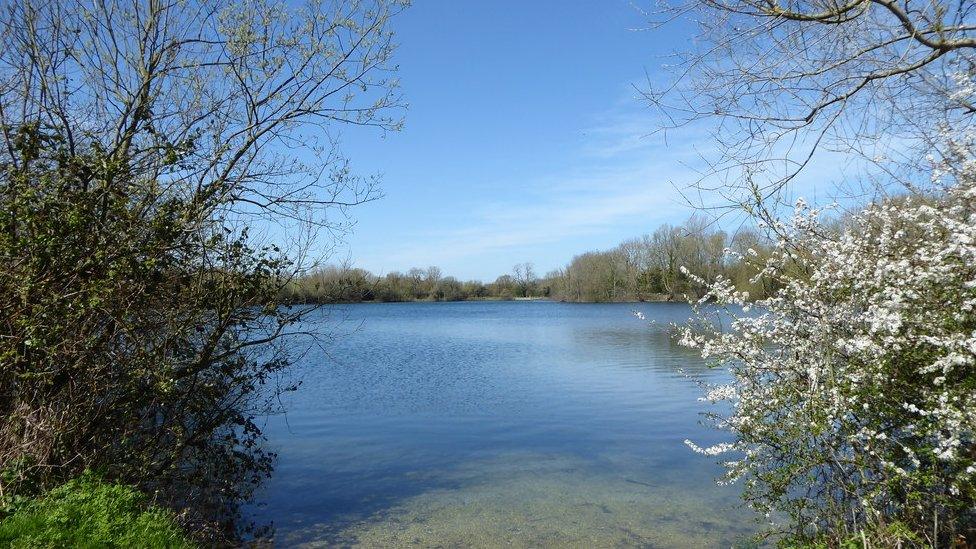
[340, 284]
[648, 268]
[653, 267]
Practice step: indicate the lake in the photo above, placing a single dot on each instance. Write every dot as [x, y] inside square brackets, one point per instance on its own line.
[498, 424]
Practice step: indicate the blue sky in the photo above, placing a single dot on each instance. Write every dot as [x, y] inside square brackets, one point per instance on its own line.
[524, 139]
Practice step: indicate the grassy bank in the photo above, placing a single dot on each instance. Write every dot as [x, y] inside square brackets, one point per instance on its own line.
[88, 512]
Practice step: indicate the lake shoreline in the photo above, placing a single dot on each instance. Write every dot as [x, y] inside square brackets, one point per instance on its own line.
[485, 299]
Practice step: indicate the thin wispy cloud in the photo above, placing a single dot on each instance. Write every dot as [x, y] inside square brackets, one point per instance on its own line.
[621, 179]
[545, 221]
[617, 185]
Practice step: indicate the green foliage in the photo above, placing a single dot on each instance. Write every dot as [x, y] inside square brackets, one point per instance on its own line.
[87, 512]
[129, 311]
[895, 534]
[139, 329]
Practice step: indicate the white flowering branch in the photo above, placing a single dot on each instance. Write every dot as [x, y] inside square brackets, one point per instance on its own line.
[853, 400]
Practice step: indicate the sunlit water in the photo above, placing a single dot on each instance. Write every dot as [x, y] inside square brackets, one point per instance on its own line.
[498, 424]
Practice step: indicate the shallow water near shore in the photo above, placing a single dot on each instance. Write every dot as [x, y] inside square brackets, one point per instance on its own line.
[482, 424]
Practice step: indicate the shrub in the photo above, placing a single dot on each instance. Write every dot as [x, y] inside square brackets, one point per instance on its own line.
[131, 322]
[87, 512]
[853, 386]
[139, 328]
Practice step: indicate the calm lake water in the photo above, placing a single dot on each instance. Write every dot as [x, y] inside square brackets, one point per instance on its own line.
[498, 424]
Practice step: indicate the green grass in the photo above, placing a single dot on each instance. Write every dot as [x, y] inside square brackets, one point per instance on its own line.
[89, 513]
[895, 534]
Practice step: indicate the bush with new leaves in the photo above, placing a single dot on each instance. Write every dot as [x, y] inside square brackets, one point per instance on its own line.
[139, 143]
[134, 334]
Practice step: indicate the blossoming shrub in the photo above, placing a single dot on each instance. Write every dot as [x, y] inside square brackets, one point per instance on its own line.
[853, 392]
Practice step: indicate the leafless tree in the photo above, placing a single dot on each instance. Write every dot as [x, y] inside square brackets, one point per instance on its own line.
[777, 82]
[248, 93]
[525, 278]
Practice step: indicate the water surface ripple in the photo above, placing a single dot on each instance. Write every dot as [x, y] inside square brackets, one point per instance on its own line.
[483, 424]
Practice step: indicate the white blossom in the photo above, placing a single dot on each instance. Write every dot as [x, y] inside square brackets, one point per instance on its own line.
[861, 372]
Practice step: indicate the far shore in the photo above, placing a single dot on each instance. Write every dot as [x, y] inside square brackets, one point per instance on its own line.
[663, 299]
